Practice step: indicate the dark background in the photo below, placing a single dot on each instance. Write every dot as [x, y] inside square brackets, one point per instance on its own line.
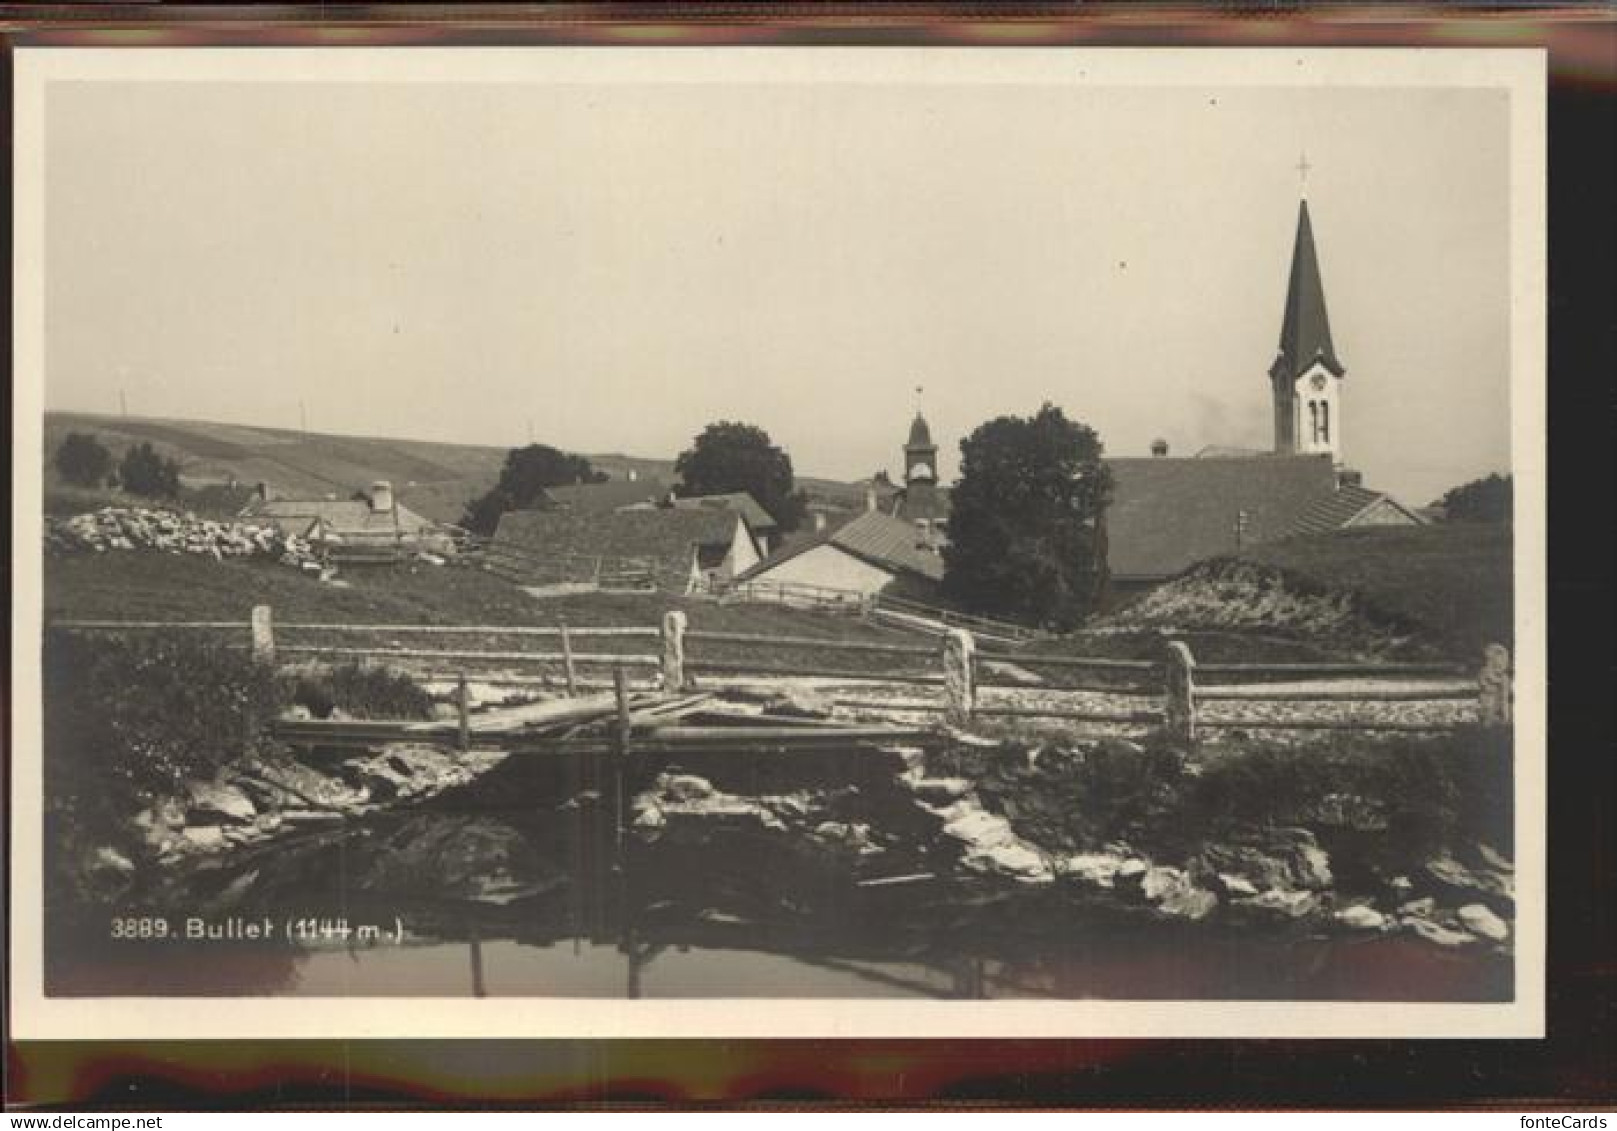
[1575, 1065]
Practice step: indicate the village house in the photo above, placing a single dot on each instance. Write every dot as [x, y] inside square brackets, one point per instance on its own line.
[666, 548]
[373, 526]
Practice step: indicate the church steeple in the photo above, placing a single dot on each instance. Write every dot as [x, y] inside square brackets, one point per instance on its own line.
[1306, 375]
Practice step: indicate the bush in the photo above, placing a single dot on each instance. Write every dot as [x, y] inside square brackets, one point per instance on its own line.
[82, 460]
[144, 472]
[127, 720]
[361, 691]
[1430, 792]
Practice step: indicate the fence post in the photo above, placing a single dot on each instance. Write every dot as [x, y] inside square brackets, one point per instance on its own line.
[263, 631]
[1179, 711]
[959, 676]
[567, 660]
[1493, 683]
[463, 713]
[673, 650]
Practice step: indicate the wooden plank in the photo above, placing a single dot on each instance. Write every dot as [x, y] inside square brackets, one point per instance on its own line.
[895, 705]
[715, 666]
[454, 629]
[1321, 724]
[1083, 716]
[814, 642]
[1083, 662]
[1259, 694]
[1367, 671]
[697, 736]
[147, 625]
[472, 654]
[1129, 690]
[547, 713]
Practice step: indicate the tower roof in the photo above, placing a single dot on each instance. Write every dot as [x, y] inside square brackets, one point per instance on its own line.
[920, 434]
[1305, 334]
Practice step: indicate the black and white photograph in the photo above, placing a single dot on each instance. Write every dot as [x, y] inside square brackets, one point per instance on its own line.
[643, 541]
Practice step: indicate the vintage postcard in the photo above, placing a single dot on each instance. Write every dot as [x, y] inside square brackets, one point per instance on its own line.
[777, 542]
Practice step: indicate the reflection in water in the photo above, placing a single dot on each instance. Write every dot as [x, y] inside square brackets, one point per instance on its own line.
[547, 902]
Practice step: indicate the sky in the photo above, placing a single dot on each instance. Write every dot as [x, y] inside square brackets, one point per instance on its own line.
[609, 267]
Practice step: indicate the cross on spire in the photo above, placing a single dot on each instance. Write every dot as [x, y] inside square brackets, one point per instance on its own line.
[1302, 171]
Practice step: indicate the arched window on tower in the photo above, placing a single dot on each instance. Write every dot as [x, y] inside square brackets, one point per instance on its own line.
[1313, 421]
[1325, 422]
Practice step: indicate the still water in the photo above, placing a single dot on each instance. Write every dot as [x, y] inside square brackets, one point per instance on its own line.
[477, 896]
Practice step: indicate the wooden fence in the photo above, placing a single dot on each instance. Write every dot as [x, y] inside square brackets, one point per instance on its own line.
[883, 607]
[1170, 692]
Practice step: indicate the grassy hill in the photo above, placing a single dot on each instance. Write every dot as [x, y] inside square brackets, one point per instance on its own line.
[147, 585]
[1443, 589]
[434, 479]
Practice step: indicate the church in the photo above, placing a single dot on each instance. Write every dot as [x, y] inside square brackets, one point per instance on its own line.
[1167, 512]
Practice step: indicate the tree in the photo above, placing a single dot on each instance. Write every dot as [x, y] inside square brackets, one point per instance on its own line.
[144, 472]
[729, 456]
[1481, 500]
[1026, 532]
[82, 460]
[527, 472]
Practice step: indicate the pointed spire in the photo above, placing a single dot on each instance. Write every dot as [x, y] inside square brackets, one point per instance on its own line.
[1305, 334]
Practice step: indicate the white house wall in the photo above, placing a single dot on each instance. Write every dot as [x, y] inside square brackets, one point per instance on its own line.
[743, 552]
[830, 568]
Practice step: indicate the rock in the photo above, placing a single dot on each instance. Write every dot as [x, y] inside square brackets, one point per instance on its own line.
[109, 862]
[1236, 885]
[649, 818]
[1423, 907]
[1282, 904]
[1361, 917]
[1495, 860]
[1010, 859]
[684, 787]
[940, 791]
[800, 702]
[209, 802]
[1132, 870]
[980, 829]
[1176, 895]
[1097, 868]
[203, 837]
[1441, 936]
[1479, 920]
[1275, 859]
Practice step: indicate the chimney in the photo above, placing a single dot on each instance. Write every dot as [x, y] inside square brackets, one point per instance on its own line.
[381, 496]
[870, 498]
[263, 492]
[1347, 477]
[819, 521]
[1159, 448]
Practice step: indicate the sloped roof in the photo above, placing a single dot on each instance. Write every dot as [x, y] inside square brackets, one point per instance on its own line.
[932, 503]
[343, 516]
[667, 537]
[885, 540]
[740, 501]
[1169, 513]
[597, 498]
[1338, 509]
[920, 433]
[873, 537]
[1305, 332]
